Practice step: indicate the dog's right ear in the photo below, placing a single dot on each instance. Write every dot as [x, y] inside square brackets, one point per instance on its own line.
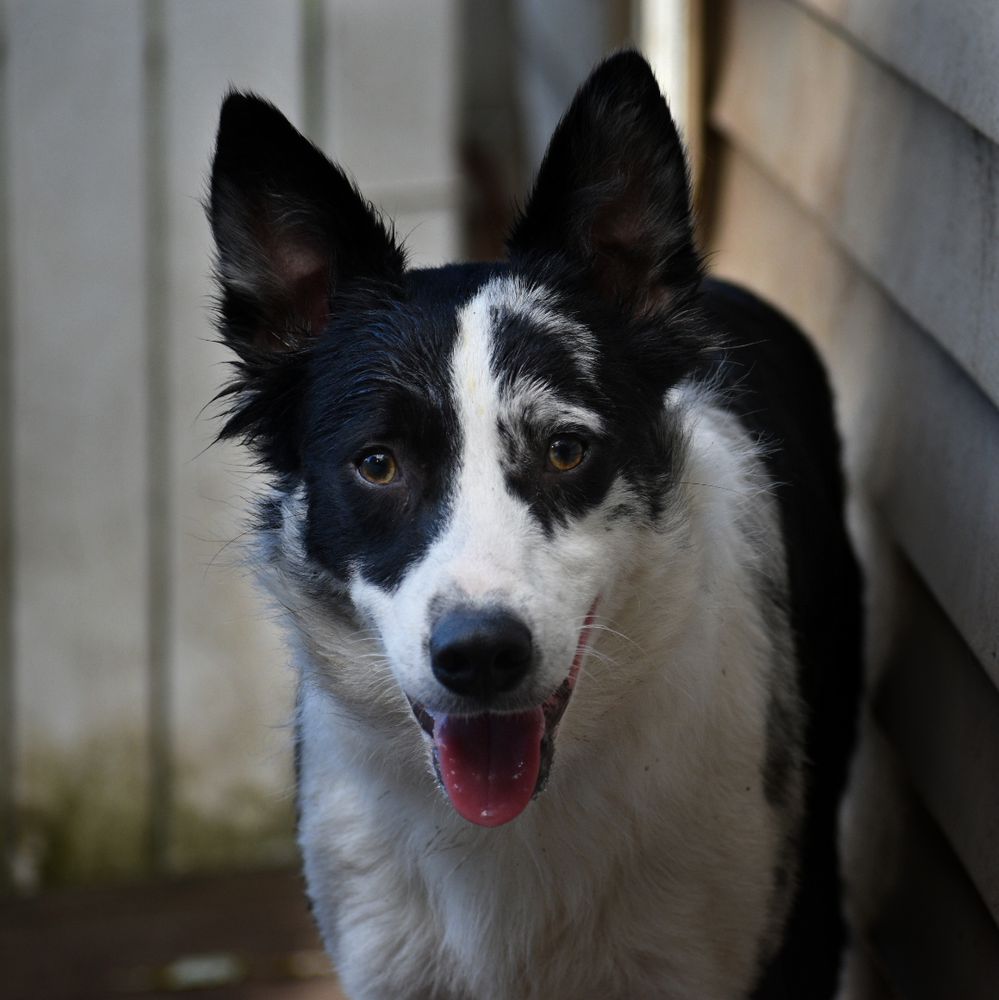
[612, 193]
[292, 233]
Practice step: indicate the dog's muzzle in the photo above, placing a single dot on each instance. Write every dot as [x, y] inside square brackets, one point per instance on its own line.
[492, 763]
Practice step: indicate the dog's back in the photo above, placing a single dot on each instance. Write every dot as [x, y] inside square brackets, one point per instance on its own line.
[778, 388]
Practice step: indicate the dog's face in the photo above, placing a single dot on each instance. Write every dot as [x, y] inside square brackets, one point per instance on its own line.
[466, 458]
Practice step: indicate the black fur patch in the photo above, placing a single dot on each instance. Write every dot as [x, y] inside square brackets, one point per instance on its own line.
[381, 377]
[779, 392]
[636, 443]
[608, 230]
[294, 242]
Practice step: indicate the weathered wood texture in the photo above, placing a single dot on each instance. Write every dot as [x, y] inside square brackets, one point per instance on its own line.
[921, 438]
[388, 111]
[229, 690]
[6, 476]
[146, 698]
[853, 186]
[947, 49]
[905, 185]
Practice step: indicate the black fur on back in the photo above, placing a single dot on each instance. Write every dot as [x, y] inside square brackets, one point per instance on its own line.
[780, 393]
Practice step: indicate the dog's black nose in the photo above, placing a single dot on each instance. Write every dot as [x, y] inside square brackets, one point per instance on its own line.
[480, 652]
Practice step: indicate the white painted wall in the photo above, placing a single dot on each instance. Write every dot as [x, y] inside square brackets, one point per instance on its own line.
[144, 696]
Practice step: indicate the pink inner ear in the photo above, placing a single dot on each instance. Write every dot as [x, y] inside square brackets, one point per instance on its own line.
[303, 273]
[625, 251]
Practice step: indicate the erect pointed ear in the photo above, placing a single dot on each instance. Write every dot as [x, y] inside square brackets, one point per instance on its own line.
[291, 231]
[612, 192]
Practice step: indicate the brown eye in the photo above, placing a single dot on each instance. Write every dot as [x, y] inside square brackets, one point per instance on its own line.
[378, 468]
[565, 453]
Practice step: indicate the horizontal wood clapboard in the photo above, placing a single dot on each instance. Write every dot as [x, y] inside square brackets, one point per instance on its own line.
[853, 183]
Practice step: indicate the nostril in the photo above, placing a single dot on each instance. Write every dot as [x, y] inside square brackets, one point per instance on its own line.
[511, 659]
[480, 652]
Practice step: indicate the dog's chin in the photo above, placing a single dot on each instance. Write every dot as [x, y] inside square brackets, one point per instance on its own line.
[491, 764]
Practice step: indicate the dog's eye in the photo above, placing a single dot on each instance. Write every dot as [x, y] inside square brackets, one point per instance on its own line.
[566, 452]
[378, 467]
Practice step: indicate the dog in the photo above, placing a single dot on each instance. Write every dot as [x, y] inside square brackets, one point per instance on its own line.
[560, 544]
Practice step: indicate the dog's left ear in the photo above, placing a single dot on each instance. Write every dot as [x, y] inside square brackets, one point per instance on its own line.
[296, 245]
[292, 232]
[612, 193]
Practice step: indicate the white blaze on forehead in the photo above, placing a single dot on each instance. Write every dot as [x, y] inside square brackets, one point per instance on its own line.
[480, 402]
[487, 520]
[476, 390]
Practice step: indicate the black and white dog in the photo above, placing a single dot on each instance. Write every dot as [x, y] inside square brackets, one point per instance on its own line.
[561, 544]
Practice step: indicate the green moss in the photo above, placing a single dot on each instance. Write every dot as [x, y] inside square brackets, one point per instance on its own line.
[248, 828]
[82, 816]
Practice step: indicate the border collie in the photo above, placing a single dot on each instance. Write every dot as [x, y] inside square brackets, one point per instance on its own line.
[561, 546]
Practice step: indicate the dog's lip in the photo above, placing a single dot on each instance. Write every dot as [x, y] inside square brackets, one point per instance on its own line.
[553, 707]
[423, 717]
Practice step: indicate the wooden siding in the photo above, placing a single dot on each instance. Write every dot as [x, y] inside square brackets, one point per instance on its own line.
[908, 187]
[946, 49]
[853, 183]
[144, 692]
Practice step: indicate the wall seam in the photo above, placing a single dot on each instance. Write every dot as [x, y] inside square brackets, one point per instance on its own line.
[313, 52]
[159, 589]
[8, 735]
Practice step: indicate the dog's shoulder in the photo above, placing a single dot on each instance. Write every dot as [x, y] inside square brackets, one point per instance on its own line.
[771, 378]
[776, 384]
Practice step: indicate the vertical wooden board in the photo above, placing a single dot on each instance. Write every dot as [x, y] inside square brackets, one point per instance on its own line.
[231, 691]
[389, 113]
[6, 479]
[75, 173]
[390, 90]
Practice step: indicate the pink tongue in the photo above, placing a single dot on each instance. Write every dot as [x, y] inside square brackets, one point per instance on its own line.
[490, 763]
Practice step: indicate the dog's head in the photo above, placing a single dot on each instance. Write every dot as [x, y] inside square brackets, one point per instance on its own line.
[468, 460]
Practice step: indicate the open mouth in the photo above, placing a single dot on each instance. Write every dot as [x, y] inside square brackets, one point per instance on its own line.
[492, 764]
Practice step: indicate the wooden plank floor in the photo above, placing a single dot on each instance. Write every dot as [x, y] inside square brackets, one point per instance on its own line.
[248, 936]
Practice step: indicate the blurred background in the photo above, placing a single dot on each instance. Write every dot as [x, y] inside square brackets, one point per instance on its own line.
[845, 165]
